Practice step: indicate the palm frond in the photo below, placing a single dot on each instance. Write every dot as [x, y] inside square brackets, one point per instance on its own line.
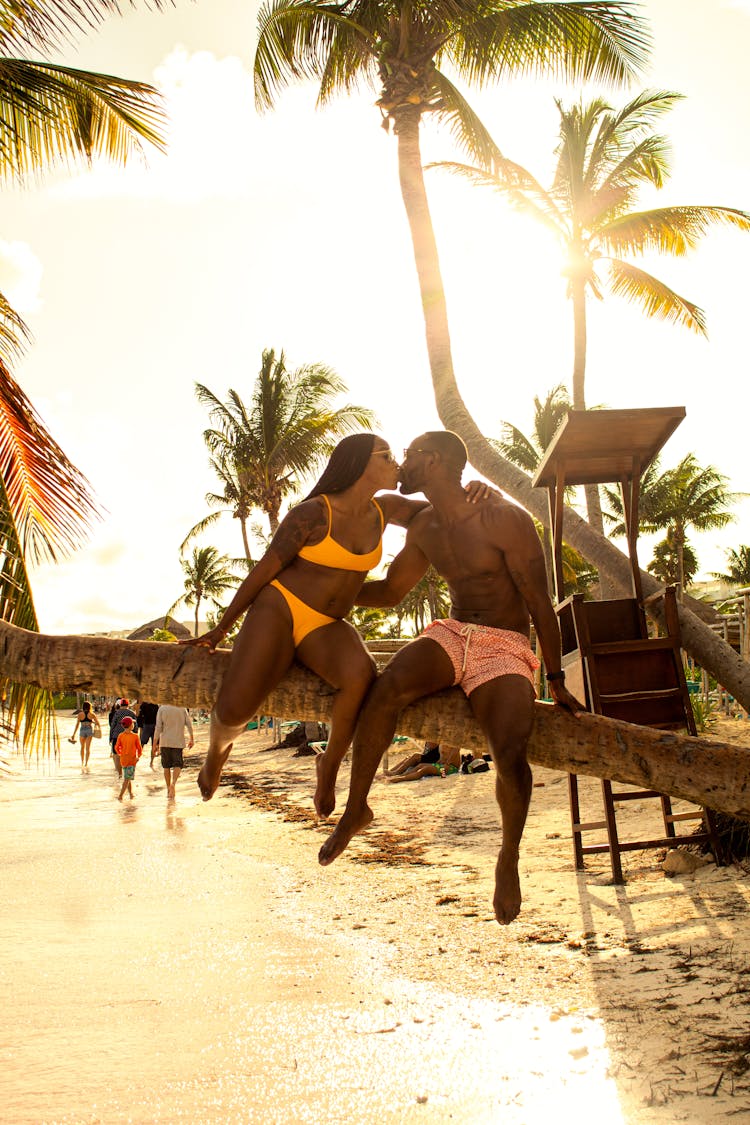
[31, 24]
[199, 527]
[465, 126]
[594, 40]
[49, 499]
[14, 332]
[27, 717]
[298, 41]
[53, 114]
[655, 297]
[667, 230]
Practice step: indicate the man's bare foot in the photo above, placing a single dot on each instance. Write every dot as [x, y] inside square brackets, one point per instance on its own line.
[349, 825]
[507, 900]
[325, 789]
[210, 775]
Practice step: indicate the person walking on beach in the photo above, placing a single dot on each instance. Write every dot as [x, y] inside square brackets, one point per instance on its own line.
[296, 597]
[172, 730]
[128, 750]
[89, 726]
[146, 722]
[492, 560]
[116, 727]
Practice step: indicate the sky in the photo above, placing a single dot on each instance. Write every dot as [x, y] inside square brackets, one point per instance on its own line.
[287, 231]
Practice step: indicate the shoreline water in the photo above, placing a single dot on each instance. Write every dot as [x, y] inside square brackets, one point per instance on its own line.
[181, 960]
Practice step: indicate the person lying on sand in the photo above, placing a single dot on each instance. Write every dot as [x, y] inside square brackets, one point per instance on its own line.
[492, 560]
[445, 762]
[297, 596]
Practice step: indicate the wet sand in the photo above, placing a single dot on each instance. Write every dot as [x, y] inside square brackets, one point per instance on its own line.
[168, 961]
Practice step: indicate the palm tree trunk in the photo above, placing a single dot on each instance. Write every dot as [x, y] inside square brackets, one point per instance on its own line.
[580, 347]
[245, 543]
[712, 774]
[197, 605]
[710, 652]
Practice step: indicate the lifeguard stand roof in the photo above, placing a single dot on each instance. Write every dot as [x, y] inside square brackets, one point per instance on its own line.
[604, 446]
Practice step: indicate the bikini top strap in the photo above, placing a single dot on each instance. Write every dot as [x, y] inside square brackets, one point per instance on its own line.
[330, 514]
[380, 513]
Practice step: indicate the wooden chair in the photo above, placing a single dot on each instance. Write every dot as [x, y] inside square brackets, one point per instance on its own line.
[618, 670]
[610, 661]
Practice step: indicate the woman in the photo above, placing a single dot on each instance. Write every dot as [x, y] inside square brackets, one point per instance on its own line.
[88, 723]
[297, 597]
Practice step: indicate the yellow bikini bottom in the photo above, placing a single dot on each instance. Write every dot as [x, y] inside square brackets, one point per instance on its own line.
[304, 618]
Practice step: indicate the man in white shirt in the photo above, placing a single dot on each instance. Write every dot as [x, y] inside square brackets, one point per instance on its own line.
[172, 724]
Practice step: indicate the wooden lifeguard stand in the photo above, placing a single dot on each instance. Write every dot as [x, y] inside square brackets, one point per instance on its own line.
[608, 657]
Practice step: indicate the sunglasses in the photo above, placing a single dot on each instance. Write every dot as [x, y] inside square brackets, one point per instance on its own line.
[387, 454]
[408, 451]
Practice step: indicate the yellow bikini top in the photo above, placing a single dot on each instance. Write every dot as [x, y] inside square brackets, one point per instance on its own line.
[330, 553]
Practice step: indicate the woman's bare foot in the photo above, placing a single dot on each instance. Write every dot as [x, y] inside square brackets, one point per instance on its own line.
[507, 900]
[325, 789]
[210, 775]
[349, 825]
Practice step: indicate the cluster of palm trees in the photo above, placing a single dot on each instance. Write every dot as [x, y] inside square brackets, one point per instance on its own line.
[50, 116]
[261, 453]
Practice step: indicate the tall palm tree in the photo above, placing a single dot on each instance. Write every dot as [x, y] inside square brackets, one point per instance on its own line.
[208, 575]
[688, 495]
[604, 158]
[665, 564]
[261, 451]
[399, 47]
[738, 567]
[49, 115]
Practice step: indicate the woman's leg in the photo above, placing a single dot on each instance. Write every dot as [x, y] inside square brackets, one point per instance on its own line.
[427, 769]
[262, 653]
[336, 653]
[85, 750]
[405, 765]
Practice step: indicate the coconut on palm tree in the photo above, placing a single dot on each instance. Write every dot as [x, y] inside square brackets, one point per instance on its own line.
[259, 452]
[208, 575]
[605, 157]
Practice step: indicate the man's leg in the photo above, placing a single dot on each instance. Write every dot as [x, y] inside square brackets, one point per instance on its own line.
[504, 709]
[418, 669]
[175, 775]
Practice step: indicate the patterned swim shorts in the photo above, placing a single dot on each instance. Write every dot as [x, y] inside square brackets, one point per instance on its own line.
[480, 653]
[128, 772]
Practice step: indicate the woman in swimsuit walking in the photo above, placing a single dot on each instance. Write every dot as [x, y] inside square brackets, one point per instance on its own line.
[297, 596]
[87, 721]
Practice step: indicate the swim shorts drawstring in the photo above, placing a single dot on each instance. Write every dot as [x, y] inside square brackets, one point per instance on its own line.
[468, 631]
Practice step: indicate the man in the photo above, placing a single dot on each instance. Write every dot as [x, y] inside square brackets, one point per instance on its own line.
[492, 560]
[172, 723]
[146, 723]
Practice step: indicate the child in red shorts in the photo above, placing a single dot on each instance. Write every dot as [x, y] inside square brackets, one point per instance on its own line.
[129, 748]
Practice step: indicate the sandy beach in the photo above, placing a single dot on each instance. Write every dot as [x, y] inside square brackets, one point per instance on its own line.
[181, 961]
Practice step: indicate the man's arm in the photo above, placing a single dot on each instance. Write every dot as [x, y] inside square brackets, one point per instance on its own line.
[189, 728]
[401, 510]
[404, 572]
[525, 561]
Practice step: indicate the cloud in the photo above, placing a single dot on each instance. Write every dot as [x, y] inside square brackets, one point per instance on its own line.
[209, 104]
[21, 276]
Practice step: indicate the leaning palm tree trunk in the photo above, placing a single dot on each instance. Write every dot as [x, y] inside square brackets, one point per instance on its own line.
[700, 641]
[712, 774]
